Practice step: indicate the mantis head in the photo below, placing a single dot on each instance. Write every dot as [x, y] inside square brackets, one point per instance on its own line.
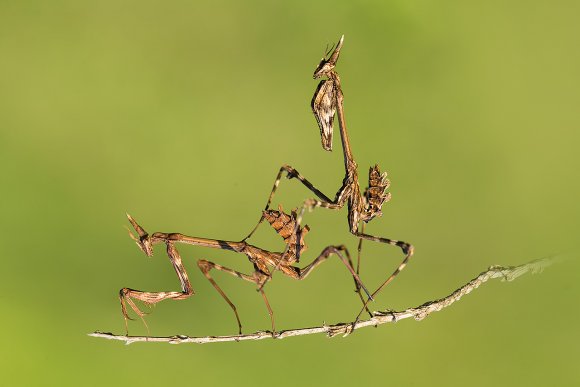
[324, 102]
[142, 239]
[327, 65]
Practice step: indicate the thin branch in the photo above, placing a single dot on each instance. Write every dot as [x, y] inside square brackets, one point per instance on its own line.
[508, 273]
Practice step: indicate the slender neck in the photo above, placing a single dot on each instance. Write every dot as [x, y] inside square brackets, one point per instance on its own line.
[206, 242]
[349, 162]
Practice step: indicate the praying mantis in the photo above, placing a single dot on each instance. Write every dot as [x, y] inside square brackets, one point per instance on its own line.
[285, 226]
[362, 208]
[326, 102]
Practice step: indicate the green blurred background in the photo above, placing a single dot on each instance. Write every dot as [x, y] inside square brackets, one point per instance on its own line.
[181, 113]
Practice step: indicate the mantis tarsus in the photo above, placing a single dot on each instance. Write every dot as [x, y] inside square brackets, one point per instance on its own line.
[328, 100]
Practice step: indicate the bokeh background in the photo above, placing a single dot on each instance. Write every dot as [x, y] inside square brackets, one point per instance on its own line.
[181, 113]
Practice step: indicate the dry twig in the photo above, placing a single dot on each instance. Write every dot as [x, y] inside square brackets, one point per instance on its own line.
[508, 273]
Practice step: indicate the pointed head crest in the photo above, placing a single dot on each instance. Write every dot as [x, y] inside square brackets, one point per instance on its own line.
[327, 65]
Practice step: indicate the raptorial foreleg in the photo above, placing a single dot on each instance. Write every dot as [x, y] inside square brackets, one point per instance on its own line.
[127, 295]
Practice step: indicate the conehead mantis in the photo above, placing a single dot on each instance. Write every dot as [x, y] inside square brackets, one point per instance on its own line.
[284, 224]
[328, 101]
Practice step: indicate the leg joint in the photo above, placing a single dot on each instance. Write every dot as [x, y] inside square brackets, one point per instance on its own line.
[407, 248]
[204, 266]
[290, 172]
[123, 292]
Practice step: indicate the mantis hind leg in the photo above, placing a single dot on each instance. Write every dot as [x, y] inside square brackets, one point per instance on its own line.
[207, 266]
[407, 250]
